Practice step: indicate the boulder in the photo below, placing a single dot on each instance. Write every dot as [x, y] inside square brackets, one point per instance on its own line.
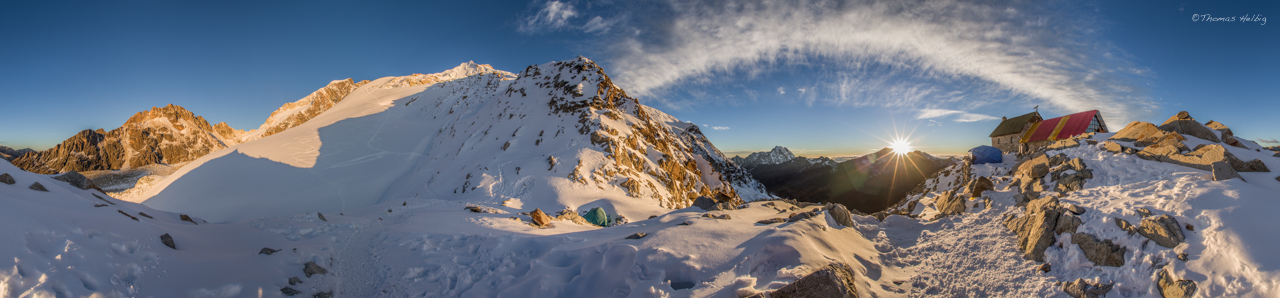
[1101, 253]
[1063, 144]
[1223, 171]
[1081, 288]
[1135, 131]
[1117, 148]
[185, 218]
[294, 280]
[1077, 210]
[6, 179]
[1125, 226]
[540, 219]
[980, 185]
[311, 268]
[1163, 137]
[1070, 183]
[76, 179]
[1143, 212]
[799, 216]
[1170, 288]
[840, 214]
[37, 187]
[328, 294]
[1044, 218]
[267, 251]
[637, 235]
[168, 241]
[948, 203]
[287, 291]
[770, 221]
[1228, 137]
[572, 216]
[321, 215]
[705, 203]
[1183, 123]
[1163, 229]
[1254, 165]
[834, 280]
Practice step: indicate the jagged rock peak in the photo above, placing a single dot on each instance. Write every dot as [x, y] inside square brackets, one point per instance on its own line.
[174, 113]
[463, 70]
[297, 112]
[775, 156]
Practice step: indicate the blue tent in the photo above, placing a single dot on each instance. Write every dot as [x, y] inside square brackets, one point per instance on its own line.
[598, 217]
[986, 154]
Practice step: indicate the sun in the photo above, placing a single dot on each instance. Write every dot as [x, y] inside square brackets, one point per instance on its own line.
[900, 146]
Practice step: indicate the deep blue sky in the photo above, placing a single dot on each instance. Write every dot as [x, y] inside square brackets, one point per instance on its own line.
[943, 70]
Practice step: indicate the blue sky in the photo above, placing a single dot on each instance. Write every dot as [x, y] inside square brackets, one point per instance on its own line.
[819, 77]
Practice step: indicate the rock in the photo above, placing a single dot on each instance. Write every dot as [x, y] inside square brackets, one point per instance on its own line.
[186, 218]
[1223, 171]
[1135, 131]
[980, 185]
[772, 221]
[1254, 165]
[311, 268]
[551, 160]
[948, 203]
[1044, 268]
[1190, 228]
[287, 291]
[1117, 148]
[76, 179]
[267, 251]
[144, 214]
[723, 206]
[1077, 210]
[717, 216]
[1182, 256]
[834, 280]
[480, 209]
[321, 215]
[840, 214]
[126, 214]
[328, 294]
[1183, 123]
[1125, 226]
[1228, 137]
[100, 198]
[1081, 288]
[801, 216]
[637, 235]
[1070, 183]
[6, 179]
[1101, 253]
[1044, 218]
[685, 223]
[168, 241]
[1170, 288]
[572, 216]
[1163, 229]
[1143, 212]
[37, 187]
[1164, 139]
[540, 219]
[706, 203]
[1063, 144]
[294, 280]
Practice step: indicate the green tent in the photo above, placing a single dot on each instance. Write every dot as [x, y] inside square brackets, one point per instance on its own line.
[597, 217]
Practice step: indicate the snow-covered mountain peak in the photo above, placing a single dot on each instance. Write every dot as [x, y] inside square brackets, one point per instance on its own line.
[470, 68]
[295, 113]
[775, 156]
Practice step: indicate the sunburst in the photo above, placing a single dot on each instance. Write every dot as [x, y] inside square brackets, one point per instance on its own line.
[900, 146]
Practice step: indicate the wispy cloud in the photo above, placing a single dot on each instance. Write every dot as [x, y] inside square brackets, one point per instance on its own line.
[782, 90]
[961, 116]
[553, 15]
[1269, 141]
[720, 127]
[888, 53]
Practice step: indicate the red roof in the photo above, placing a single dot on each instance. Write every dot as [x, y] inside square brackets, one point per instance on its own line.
[1060, 128]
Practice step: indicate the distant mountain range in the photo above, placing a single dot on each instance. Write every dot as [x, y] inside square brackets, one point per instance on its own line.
[869, 183]
[7, 153]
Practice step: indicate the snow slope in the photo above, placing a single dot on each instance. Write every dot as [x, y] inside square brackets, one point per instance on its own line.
[488, 137]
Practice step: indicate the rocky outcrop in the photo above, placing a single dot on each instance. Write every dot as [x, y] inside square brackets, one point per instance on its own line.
[1101, 253]
[1117, 148]
[948, 203]
[267, 251]
[1163, 230]
[37, 187]
[311, 268]
[840, 214]
[7, 179]
[168, 241]
[295, 113]
[1228, 137]
[76, 179]
[1182, 123]
[834, 280]
[1171, 288]
[539, 218]
[1135, 131]
[1081, 288]
[169, 135]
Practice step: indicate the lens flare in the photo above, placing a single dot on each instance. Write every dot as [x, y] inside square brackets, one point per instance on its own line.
[900, 146]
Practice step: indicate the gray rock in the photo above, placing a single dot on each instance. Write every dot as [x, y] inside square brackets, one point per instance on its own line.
[1044, 268]
[1170, 288]
[144, 214]
[551, 160]
[1070, 183]
[1254, 165]
[1077, 210]
[186, 218]
[704, 202]
[76, 179]
[1081, 288]
[1223, 171]
[1063, 144]
[294, 280]
[948, 203]
[127, 214]
[841, 214]
[328, 294]
[1182, 256]
[979, 186]
[1043, 219]
[1143, 212]
[289, 291]
[637, 235]
[1163, 229]
[1101, 253]
[168, 241]
[267, 251]
[311, 268]
[1126, 226]
[723, 206]
[7, 179]
[1117, 148]
[772, 221]
[834, 280]
[100, 198]
[801, 216]
[37, 187]
[321, 215]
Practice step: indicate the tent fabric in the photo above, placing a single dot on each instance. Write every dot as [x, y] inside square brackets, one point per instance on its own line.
[598, 217]
[986, 154]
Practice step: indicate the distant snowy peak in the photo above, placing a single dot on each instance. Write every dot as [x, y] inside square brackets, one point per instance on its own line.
[778, 155]
[461, 71]
[8, 153]
[294, 113]
[169, 134]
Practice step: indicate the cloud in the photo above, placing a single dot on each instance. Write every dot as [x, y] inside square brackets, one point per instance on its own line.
[886, 53]
[961, 116]
[1269, 141]
[554, 15]
[720, 127]
[781, 91]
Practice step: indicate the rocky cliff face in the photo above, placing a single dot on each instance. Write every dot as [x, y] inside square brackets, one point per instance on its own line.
[778, 155]
[168, 134]
[298, 112]
[8, 153]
